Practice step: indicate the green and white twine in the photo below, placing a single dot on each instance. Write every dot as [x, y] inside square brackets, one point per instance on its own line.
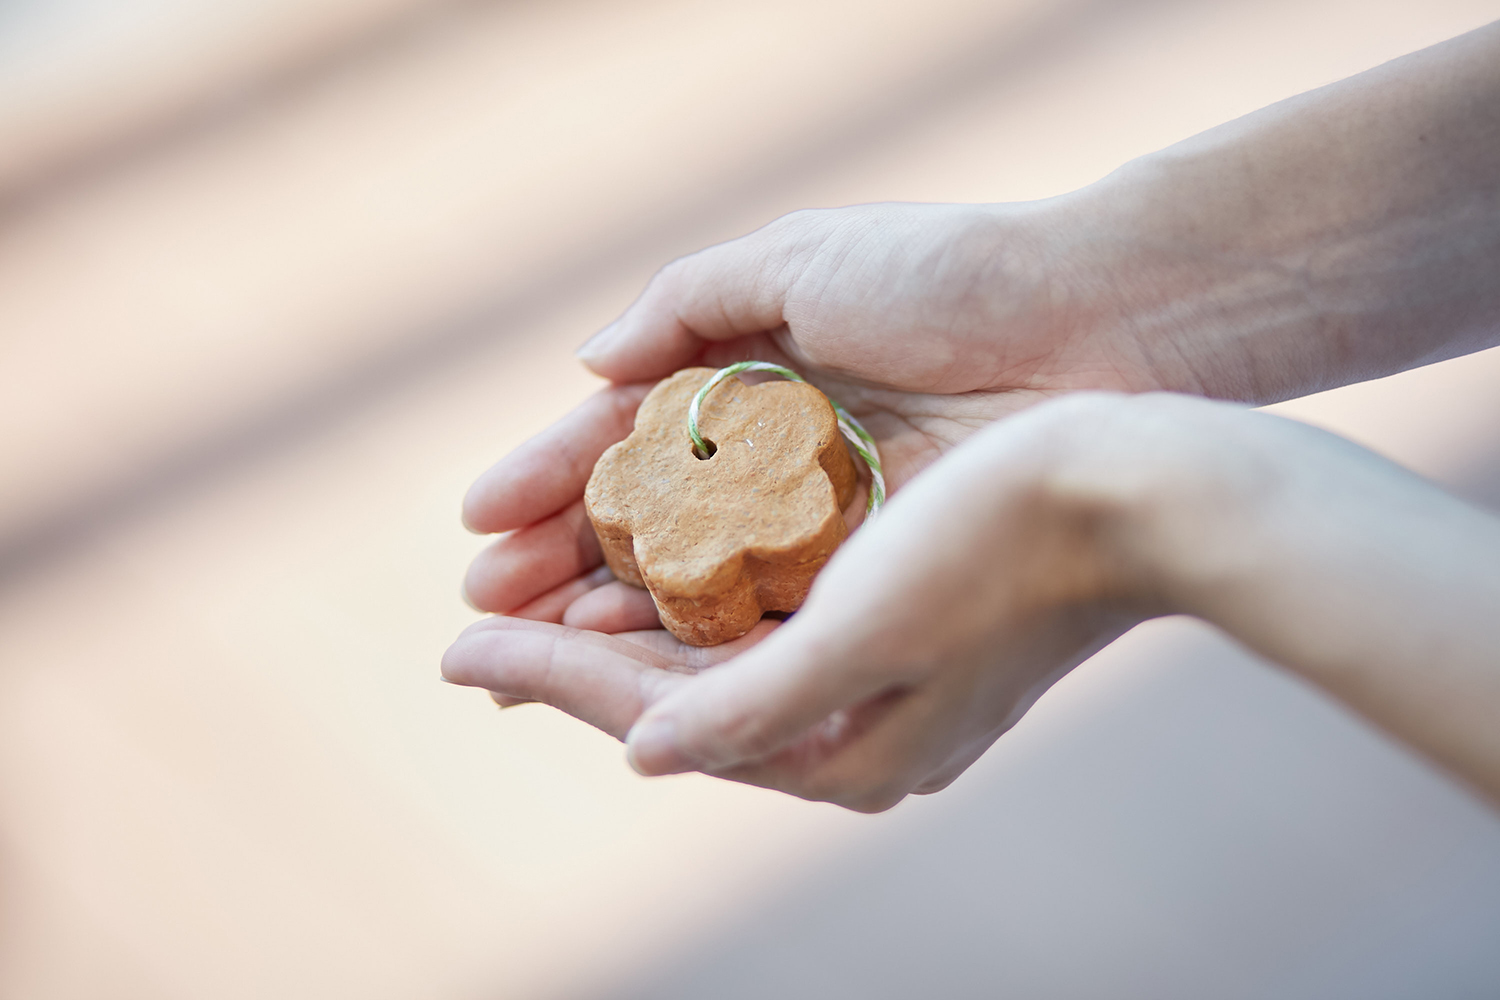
[859, 438]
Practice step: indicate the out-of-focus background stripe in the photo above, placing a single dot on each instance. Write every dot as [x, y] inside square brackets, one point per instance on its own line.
[278, 278]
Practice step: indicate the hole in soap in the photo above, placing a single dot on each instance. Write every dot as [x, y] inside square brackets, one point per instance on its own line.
[709, 446]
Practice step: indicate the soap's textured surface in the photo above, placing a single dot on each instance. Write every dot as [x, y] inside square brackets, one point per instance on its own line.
[719, 541]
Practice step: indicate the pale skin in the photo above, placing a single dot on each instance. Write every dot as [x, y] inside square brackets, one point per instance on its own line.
[1348, 233]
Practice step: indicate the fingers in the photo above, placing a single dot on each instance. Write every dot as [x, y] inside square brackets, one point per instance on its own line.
[731, 290]
[550, 471]
[961, 760]
[613, 607]
[596, 602]
[599, 679]
[691, 659]
[604, 680]
[867, 758]
[756, 705]
[551, 607]
[554, 604]
[526, 564]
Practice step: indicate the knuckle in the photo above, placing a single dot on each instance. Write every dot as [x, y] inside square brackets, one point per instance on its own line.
[741, 732]
[865, 793]
[822, 787]
[673, 279]
[877, 798]
[932, 785]
[669, 272]
[803, 219]
[795, 239]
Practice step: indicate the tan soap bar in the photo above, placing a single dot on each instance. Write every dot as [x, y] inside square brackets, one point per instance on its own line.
[722, 540]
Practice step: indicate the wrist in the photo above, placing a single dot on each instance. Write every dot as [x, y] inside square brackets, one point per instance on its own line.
[1352, 574]
[1199, 287]
[1182, 500]
[1344, 234]
[1325, 559]
[1121, 481]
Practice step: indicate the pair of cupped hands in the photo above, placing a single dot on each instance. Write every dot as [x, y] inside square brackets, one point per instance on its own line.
[1043, 496]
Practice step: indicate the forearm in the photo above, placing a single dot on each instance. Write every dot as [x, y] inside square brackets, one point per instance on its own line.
[1344, 234]
[1359, 577]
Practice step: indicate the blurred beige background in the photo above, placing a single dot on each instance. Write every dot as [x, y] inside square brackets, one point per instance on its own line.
[279, 277]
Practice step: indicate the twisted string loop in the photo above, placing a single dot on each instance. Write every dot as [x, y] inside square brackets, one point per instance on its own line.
[853, 430]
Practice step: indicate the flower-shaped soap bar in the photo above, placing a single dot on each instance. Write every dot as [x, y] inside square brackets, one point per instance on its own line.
[719, 541]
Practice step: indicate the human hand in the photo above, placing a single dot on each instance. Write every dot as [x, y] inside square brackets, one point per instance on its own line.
[1265, 259]
[881, 685]
[1013, 558]
[925, 321]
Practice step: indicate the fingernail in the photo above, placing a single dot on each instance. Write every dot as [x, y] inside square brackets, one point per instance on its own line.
[651, 748]
[596, 345]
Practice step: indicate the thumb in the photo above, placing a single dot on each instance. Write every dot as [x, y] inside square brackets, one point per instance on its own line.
[753, 705]
[727, 291]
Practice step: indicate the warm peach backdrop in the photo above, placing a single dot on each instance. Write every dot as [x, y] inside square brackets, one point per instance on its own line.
[278, 277]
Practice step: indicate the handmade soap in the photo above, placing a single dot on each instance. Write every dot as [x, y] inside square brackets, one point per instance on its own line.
[719, 541]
